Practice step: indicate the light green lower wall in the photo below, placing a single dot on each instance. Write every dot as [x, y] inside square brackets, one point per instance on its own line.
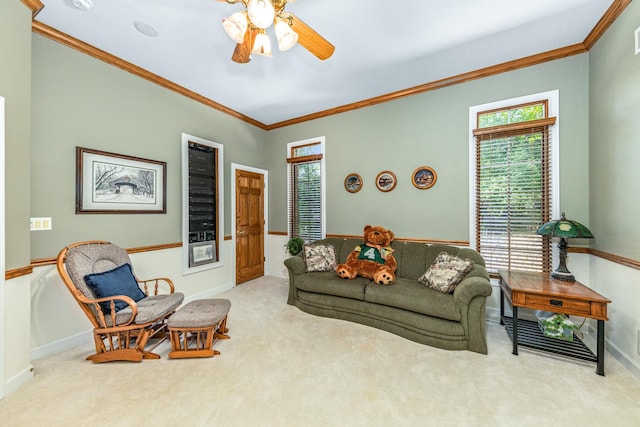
[80, 101]
[431, 129]
[614, 125]
[15, 87]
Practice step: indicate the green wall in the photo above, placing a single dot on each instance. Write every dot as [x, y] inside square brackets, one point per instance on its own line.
[81, 101]
[431, 129]
[614, 126]
[15, 87]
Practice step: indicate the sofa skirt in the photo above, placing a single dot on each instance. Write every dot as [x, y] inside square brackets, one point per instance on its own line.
[436, 332]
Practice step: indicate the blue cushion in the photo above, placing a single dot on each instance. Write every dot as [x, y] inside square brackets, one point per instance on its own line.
[119, 281]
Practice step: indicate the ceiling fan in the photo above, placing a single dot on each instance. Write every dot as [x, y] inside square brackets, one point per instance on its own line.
[248, 29]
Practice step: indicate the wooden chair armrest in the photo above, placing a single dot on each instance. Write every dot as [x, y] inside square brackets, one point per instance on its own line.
[100, 315]
[155, 285]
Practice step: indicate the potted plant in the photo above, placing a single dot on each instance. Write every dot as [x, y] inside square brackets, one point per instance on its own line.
[294, 245]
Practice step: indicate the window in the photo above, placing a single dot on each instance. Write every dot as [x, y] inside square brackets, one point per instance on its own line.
[513, 177]
[305, 167]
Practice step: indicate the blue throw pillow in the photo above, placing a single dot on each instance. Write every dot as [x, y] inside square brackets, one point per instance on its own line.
[119, 281]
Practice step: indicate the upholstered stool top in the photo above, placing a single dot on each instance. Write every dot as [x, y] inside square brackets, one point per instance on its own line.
[200, 313]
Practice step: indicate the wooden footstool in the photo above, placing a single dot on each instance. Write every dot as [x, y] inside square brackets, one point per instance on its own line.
[195, 327]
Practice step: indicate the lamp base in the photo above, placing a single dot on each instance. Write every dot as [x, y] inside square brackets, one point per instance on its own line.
[564, 276]
[562, 273]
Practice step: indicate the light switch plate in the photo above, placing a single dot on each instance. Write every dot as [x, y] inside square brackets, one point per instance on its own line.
[38, 224]
[637, 37]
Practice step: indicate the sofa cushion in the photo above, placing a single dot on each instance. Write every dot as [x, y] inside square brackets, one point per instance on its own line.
[119, 281]
[348, 245]
[410, 295]
[410, 257]
[446, 272]
[320, 257]
[330, 284]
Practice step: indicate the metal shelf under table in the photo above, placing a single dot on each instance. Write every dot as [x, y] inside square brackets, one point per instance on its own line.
[530, 335]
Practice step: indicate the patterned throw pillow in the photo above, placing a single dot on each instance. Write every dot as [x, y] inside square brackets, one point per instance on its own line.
[446, 272]
[320, 257]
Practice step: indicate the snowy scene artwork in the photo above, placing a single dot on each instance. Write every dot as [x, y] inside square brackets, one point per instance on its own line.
[115, 183]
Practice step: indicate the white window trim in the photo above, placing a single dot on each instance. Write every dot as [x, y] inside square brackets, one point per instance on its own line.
[553, 98]
[323, 201]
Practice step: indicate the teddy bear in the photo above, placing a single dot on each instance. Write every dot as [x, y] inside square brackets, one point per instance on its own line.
[374, 259]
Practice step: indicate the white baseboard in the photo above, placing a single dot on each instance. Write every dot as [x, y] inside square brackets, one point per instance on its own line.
[18, 380]
[61, 345]
[209, 292]
[624, 360]
[87, 336]
[493, 314]
[628, 363]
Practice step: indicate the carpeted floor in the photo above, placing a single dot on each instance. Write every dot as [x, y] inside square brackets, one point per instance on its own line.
[283, 367]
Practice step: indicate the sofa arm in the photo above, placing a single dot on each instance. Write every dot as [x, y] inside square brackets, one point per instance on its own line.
[296, 265]
[470, 288]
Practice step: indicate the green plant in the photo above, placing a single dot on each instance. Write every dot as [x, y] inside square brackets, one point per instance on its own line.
[294, 245]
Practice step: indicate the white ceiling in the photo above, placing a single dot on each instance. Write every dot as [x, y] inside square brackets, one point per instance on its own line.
[381, 45]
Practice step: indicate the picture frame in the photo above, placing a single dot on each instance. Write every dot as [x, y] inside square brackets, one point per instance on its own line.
[353, 183]
[202, 253]
[424, 178]
[386, 181]
[110, 183]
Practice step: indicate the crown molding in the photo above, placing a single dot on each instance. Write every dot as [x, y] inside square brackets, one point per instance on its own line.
[35, 5]
[69, 41]
[609, 17]
[442, 83]
[614, 11]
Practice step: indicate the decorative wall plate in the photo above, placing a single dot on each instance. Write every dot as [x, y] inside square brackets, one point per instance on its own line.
[424, 178]
[386, 181]
[353, 183]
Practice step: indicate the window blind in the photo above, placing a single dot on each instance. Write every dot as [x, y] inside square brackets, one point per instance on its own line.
[305, 188]
[513, 195]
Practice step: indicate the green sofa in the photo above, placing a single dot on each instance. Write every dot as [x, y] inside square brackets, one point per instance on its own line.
[407, 308]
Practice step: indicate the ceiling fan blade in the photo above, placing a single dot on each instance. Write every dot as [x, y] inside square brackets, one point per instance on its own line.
[242, 53]
[311, 40]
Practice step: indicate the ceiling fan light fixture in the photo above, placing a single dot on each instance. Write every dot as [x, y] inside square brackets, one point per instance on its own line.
[261, 13]
[287, 38]
[262, 45]
[236, 26]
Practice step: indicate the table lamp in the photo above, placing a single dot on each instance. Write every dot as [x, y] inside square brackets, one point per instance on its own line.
[564, 228]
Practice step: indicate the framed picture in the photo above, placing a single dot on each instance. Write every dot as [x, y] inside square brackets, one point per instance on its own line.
[202, 253]
[424, 177]
[119, 184]
[353, 183]
[386, 181]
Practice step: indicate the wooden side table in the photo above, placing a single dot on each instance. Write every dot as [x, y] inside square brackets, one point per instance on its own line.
[540, 292]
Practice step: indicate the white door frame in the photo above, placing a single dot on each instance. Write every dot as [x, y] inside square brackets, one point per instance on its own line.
[265, 210]
[2, 257]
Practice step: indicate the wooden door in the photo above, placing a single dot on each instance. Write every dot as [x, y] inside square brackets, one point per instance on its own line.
[249, 225]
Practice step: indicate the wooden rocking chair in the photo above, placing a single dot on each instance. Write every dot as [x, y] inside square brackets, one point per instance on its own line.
[135, 323]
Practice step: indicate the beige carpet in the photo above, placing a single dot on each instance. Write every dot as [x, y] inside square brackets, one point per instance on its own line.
[283, 367]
